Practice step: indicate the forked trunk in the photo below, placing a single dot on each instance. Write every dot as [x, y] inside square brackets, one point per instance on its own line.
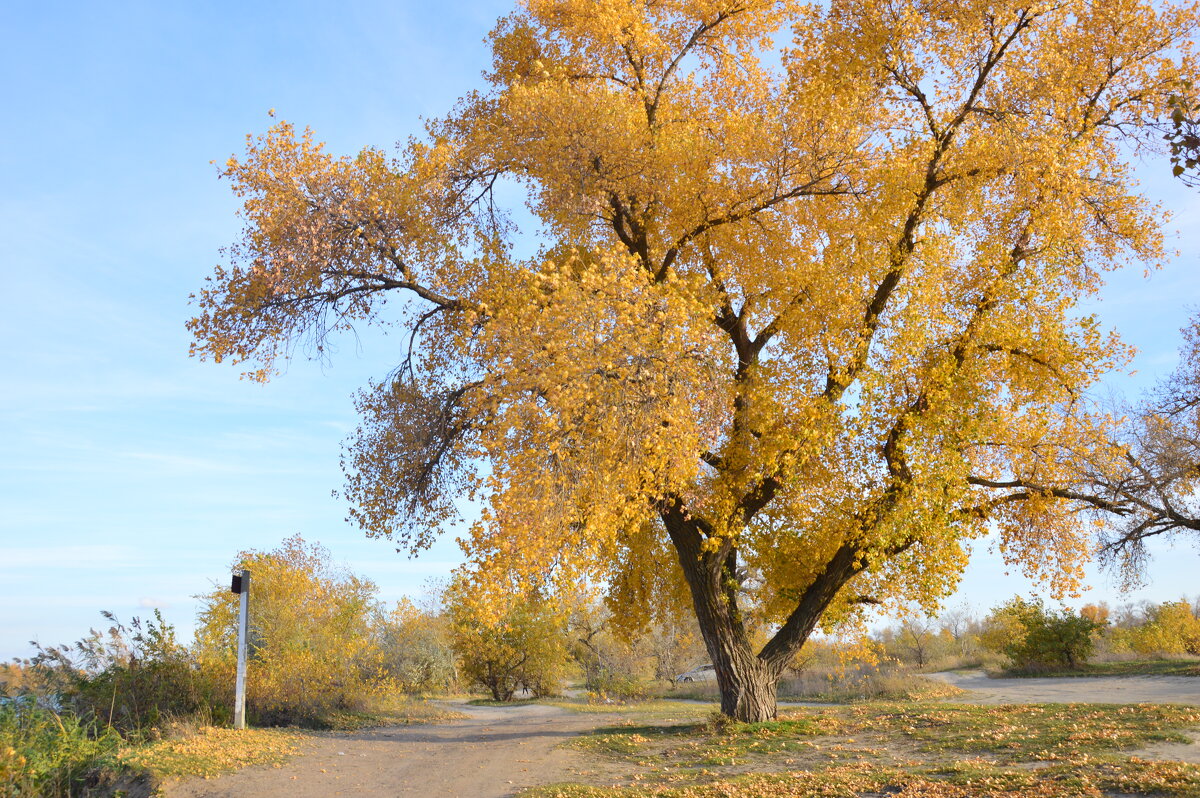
[748, 681]
[747, 687]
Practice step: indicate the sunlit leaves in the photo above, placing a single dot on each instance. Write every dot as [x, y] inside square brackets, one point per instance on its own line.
[805, 293]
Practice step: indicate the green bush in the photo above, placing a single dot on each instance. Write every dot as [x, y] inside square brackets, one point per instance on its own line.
[131, 678]
[48, 754]
[1035, 638]
[616, 686]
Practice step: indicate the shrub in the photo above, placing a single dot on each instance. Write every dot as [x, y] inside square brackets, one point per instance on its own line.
[415, 649]
[1035, 638]
[615, 686]
[47, 754]
[507, 642]
[1171, 629]
[312, 650]
[131, 678]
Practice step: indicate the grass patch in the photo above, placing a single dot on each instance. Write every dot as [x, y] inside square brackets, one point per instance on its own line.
[491, 702]
[684, 746]
[654, 710]
[49, 754]
[866, 684]
[1028, 732]
[1139, 776]
[894, 687]
[841, 782]
[910, 750]
[1157, 667]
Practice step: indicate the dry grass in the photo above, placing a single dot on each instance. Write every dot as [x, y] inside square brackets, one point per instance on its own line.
[853, 684]
[1183, 666]
[396, 710]
[906, 749]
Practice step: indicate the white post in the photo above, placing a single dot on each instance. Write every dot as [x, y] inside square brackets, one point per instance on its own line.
[239, 698]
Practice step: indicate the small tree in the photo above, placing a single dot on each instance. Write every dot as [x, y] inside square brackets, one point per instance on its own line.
[962, 627]
[1035, 638]
[917, 637]
[415, 648]
[1097, 613]
[675, 645]
[1170, 629]
[517, 641]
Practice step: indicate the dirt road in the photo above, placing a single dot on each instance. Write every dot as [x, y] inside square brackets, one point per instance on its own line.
[495, 753]
[500, 750]
[1075, 690]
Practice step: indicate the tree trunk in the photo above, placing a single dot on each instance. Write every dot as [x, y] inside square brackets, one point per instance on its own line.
[747, 690]
[747, 683]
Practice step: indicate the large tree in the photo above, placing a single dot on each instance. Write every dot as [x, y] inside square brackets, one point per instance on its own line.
[801, 314]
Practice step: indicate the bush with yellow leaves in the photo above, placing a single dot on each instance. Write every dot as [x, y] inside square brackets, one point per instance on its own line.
[507, 640]
[415, 645]
[312, 652]
[1171, 629]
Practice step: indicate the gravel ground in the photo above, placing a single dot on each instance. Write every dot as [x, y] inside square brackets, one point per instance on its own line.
[1075, 690]
[496, 752]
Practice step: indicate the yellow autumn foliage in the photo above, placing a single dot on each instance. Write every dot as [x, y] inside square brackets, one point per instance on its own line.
[312, 652]
[798, 308]
[507, 642]
[1172, 629]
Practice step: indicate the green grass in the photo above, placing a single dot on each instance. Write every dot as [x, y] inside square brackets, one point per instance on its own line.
[926, 750]
[49, 754]
[1157, 667]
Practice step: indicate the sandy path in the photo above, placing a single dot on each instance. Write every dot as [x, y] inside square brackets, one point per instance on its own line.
[1075, 690]
[495, 753]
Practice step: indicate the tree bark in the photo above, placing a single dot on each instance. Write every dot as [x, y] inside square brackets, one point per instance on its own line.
[747, 683]
[748, 689]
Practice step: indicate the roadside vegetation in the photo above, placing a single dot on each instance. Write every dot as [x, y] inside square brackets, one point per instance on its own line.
[1026, 638]
[124, 708]
[128, 706]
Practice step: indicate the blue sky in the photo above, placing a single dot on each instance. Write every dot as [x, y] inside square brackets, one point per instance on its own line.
[130, 475]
